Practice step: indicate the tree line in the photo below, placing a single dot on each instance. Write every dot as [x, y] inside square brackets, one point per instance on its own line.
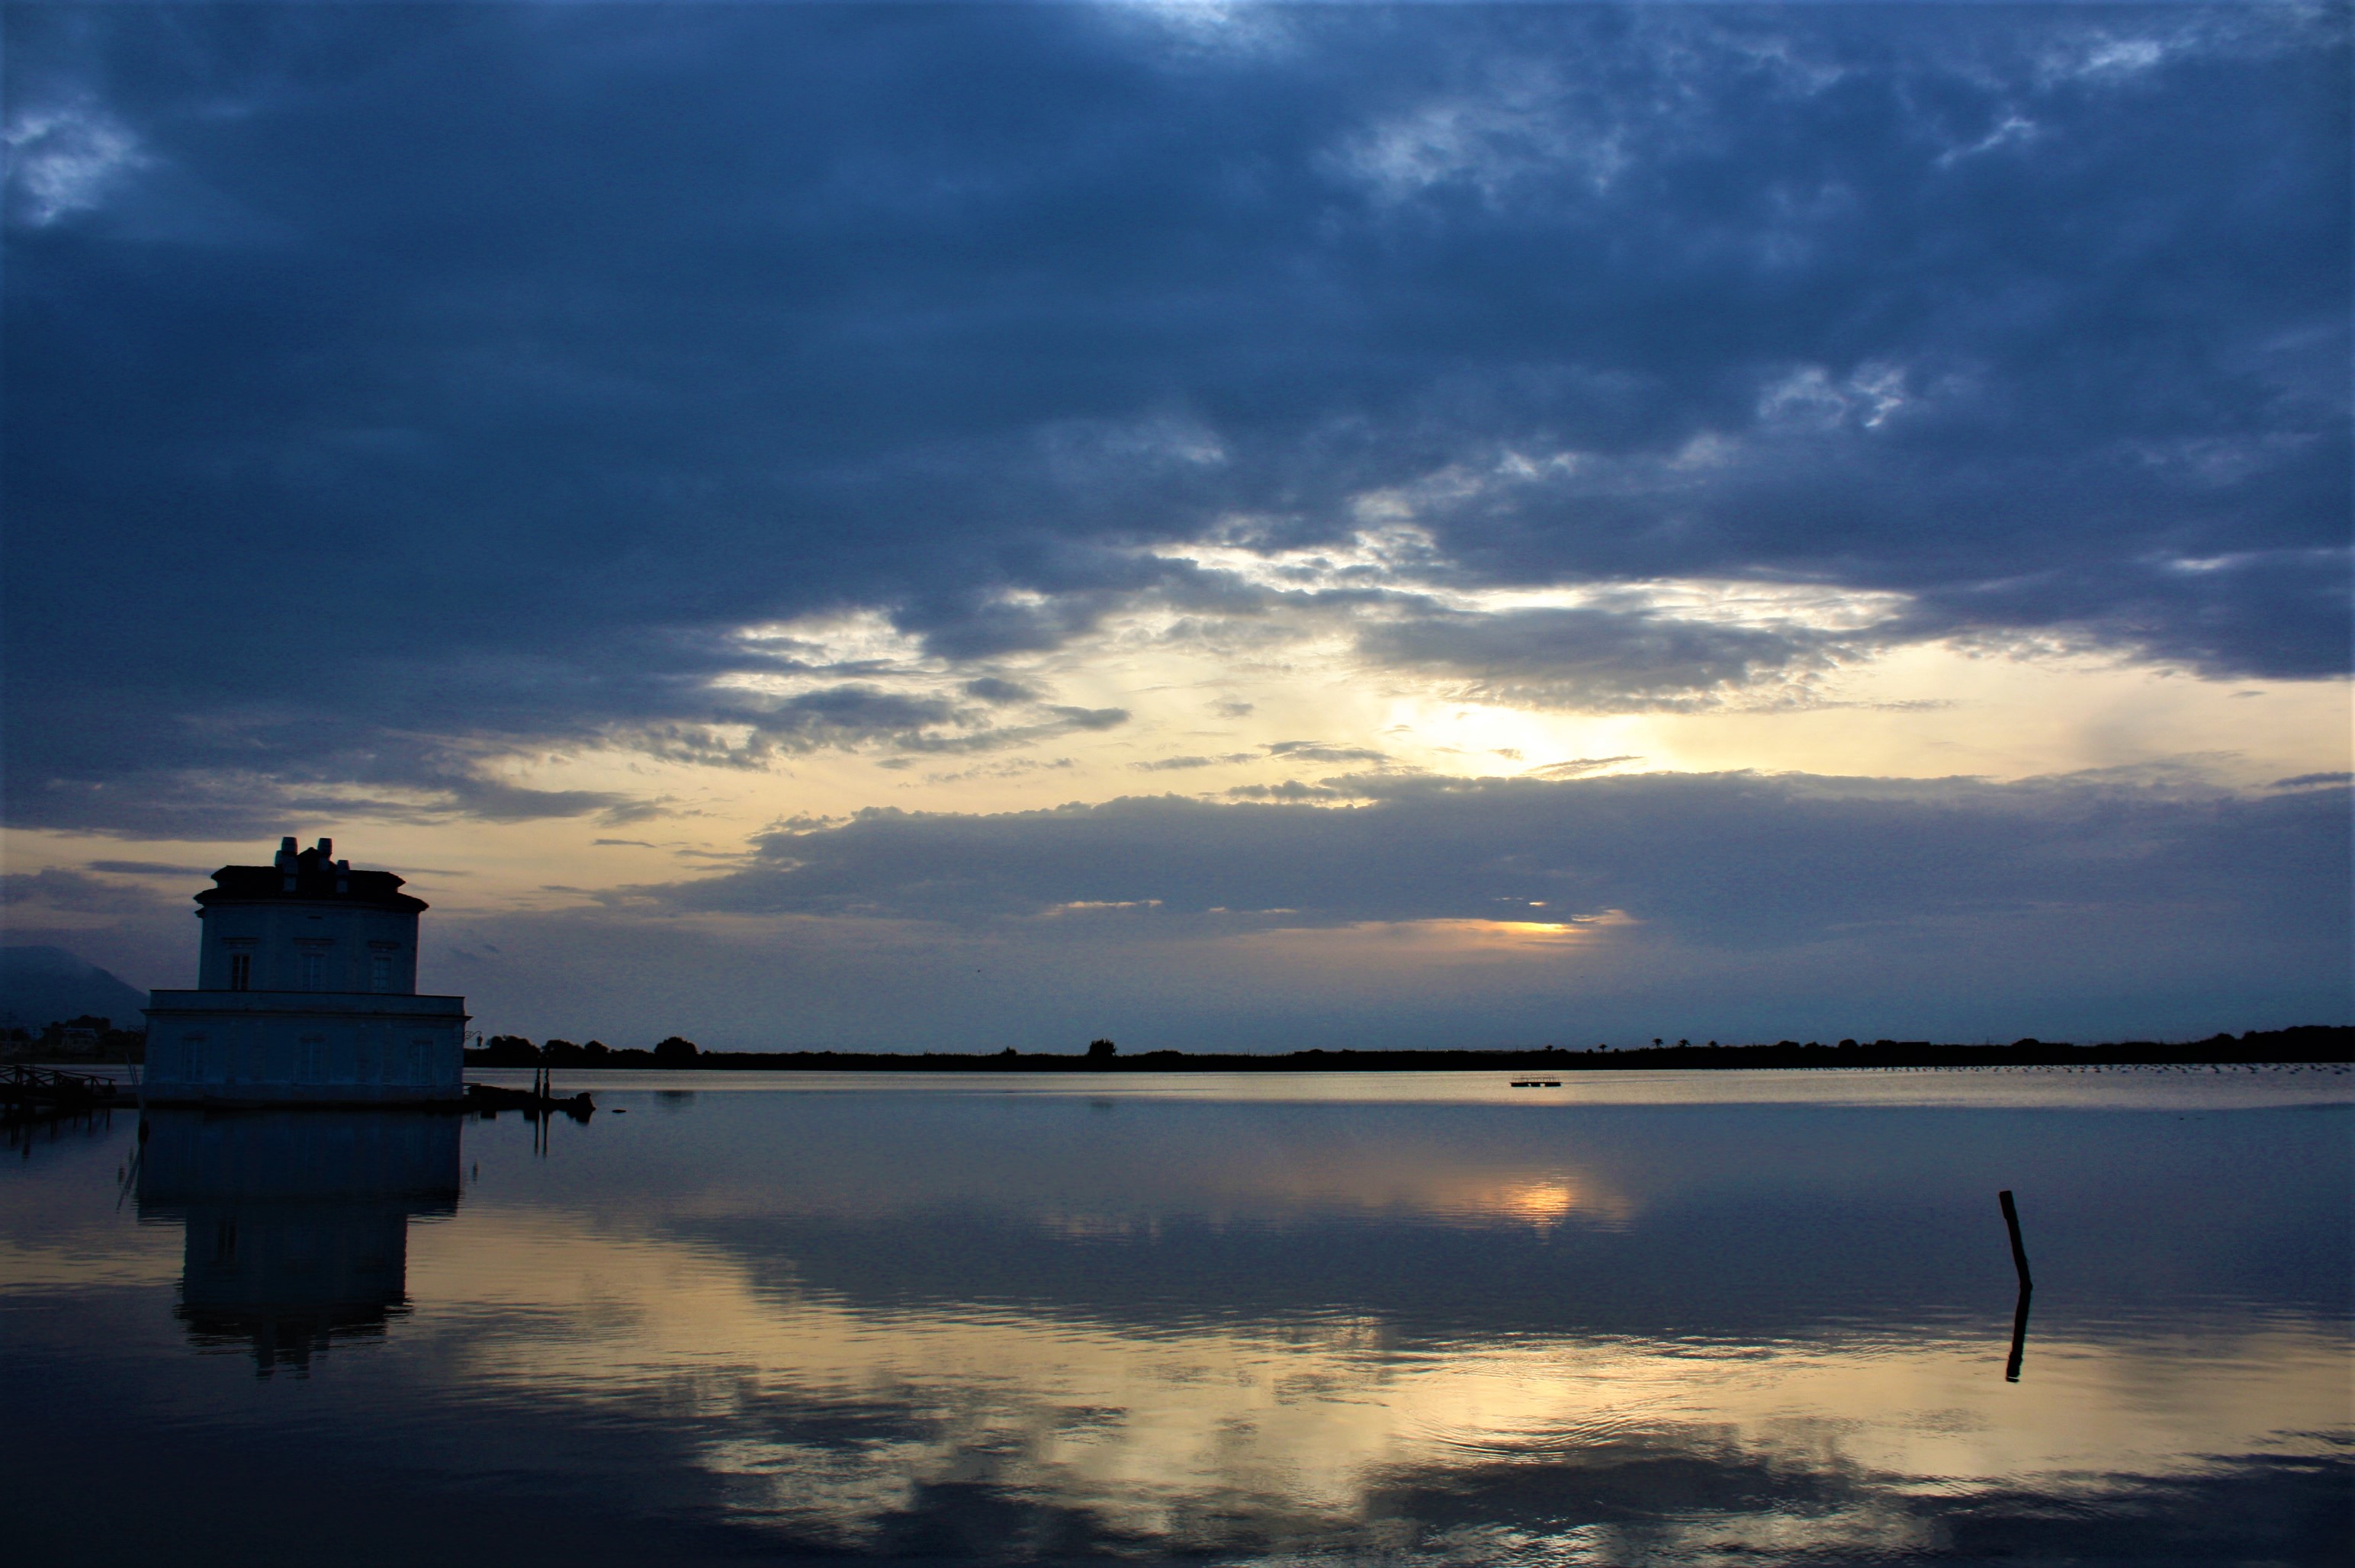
[516, 1050]
[2313, 1043]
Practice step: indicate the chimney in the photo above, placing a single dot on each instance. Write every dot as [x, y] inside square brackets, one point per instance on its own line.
[326, 850]
[285, 861]
[343, 875]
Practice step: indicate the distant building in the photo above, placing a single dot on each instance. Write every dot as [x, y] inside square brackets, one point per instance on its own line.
[84, 1032]
[306, 992]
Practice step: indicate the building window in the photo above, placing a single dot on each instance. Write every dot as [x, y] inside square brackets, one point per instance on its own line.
[313, 971]
[240, 971]
[379, 971]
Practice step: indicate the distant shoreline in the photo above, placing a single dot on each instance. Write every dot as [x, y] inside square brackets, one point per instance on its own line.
[2309, 1045]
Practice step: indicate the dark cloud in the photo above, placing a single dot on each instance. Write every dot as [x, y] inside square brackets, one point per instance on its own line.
[634, 811]
[130, 927]
[75, 893]
[200, 803]
[1728, 859]
[474, 373]
[992, 689]
[1754, 907]
[1091, 718]
[1602, 660]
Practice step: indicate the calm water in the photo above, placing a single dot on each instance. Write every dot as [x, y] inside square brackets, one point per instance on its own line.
[1638, 1319]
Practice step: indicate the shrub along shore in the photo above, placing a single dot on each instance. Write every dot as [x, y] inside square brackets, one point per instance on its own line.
[2313, 1043]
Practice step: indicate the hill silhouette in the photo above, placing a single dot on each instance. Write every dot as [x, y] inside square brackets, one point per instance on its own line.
[42, 986]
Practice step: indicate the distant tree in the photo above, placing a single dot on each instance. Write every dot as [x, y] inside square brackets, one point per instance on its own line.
[676, 1052]
[1009, 1051]
[508, 1051]
[1101, 1050]
[596, 1049]
[562, 1050]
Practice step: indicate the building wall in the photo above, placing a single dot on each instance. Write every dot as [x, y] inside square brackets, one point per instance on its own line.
[295, 946]
[261, 1048]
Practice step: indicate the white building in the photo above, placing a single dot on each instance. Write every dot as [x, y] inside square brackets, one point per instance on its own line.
[306, 991]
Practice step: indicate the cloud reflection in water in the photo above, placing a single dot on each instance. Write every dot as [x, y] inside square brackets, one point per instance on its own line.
[967, 1325]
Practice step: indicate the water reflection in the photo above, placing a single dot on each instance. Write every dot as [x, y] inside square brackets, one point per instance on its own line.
[909, 1324]
[906, 1325]
[296, 1222]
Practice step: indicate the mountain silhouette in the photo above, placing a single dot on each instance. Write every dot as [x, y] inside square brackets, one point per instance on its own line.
[41, 986]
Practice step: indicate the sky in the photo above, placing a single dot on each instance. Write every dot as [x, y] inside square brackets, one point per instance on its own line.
[1219, 526]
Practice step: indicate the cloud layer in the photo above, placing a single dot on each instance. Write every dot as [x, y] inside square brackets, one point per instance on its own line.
[1726, 861]
[399, 391]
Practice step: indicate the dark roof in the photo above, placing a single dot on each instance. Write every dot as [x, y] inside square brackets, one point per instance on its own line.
[314, 882]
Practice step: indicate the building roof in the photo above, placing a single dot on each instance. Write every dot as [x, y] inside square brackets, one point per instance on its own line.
[310, 877]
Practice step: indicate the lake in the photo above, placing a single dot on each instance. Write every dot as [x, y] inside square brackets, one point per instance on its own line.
[1701, 1317]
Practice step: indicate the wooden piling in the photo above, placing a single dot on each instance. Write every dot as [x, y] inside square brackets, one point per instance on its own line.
[2027, 1287]
[2019, 1252]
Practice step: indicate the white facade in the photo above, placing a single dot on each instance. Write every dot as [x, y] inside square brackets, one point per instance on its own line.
[306, 992]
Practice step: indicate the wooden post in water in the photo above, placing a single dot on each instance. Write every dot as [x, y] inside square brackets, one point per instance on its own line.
[2019, 1252]
[2027, 1286]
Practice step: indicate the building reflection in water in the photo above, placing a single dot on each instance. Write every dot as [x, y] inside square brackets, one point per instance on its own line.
[297, 1221]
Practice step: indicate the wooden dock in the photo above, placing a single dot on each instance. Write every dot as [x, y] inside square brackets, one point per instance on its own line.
[31, 1090]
